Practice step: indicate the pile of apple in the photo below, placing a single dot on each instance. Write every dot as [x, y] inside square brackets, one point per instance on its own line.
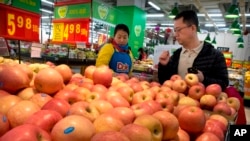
[53, 104]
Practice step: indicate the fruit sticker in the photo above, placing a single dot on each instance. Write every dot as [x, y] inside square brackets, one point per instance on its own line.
[62, 11]
[137, 30]
[103, 11]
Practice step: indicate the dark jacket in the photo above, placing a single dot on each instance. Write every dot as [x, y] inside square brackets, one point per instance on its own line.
[209, 61]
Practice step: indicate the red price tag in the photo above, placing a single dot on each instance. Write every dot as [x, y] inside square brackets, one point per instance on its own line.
[70, 31]
[19, 24]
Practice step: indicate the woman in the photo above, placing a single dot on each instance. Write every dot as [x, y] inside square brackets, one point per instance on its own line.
[142, 54]
[116, 53]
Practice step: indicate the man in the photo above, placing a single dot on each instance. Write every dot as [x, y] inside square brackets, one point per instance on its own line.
[210, 62]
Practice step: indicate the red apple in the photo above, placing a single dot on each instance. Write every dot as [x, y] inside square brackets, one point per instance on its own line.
[87, 85]
[207, 136]
[74, 128]
[169, 123]
[188, 101]
[154, 83]
[191, 79]
[140, 97]
[118, 101]
[214, 89]
[192, 119]
[208, 101]
[4, 124]
[3, 93]
[220, 118]
[81, 92]
[141, 109]
[214, 128]
[103, 75]
[58, 105]
[196, 91]
[222, 108]
[164, 88]
[182, 135]
[107, 122]
[222, 97]
[67, 95]
[45, 119]
[99, 88]
[126, 92]
[122, 76]
[218, 123]
[153, 124]
[88, 72]
[40, 99]
[20, 112]
[137, 87]
[166, 104]
[175, 77]
[6, 102]
[84, 109]
[179, 85]
[234, 103]
[125, 114]
[27, 93]
[155, 106]
[26, 132]
[168, 83]
[102, 105]
[92, 96]
[136, 132]
[110, 136]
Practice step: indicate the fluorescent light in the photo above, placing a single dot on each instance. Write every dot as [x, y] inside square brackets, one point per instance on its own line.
[48, 2]
[210, 15]
[47, 17]
[154, 5]
[218, 25]
[47, 11]
[155, 15]
[151, 23]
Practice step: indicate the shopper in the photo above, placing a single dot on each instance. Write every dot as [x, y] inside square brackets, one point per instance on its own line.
[142, 54]
[202, 55]
[115, 53]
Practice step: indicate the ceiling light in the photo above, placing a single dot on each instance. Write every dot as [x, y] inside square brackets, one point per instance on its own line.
[48, 2]
[237, 33]
[155, 15]
[233, 11]
[235, 26]
[47, 11]
[174, 11]
[208, 39]
[240, 40]
[240, 46]
[154, 5]
[214, 41]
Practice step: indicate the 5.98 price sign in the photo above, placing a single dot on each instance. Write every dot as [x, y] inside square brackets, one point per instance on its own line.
[70, 31]
[19, 24]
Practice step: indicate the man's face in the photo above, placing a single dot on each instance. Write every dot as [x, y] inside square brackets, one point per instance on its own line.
[121, 37]
[182, 31]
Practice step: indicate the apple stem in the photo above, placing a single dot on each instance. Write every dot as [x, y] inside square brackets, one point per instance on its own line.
[69, 130]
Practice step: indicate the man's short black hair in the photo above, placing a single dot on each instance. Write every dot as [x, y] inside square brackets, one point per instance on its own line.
[121, 27]
[189, 17]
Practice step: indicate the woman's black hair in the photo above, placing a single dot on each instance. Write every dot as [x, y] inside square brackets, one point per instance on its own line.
[121, 27]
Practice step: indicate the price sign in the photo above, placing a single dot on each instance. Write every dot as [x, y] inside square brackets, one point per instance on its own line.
[19, 24]
[71, 31]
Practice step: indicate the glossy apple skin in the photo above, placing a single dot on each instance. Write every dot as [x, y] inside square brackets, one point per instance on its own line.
[26, 132]
[4, 124]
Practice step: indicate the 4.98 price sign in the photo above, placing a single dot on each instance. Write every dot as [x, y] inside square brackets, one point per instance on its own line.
[19, 24]
[70, 31]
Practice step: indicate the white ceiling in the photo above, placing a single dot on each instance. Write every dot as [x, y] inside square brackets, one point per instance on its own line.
[202, 7]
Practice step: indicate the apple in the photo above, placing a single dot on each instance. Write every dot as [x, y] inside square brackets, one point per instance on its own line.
[84, 109]
[222, 108]
[218, 123]
[27, 93]
[214, 89]
[214, 128]
[102, 106]
[155, 106]
[3, 93]
[222, 97]
[88, 72]
[141, 109]
[20, 112]
[192, 119]
[165, 88]
[166, 104]
[188, 101]
[179, 108]
[99, 88]
[87, 85]
[118, 101]
[92, 96]
[67, 95]
[234, 103]
[122, 76]
[196, 91]
[126, 92]
[182, 135]
[70, 86]
[125, 114]
[103, 75]
[179, 85]
[168, 83]
[74, 128]
[140, 97]
[208, 101]
[220, 118]
[154, 83]
[137, 87]
[207, 136]
[136, 132]
[4, 124]
[110, 93]
[26, 132]
[155, 89]
[107, 122]
[153, 124]
[145, 84]
[175, 77]
[191, 79]
[169, 123]
[81, 92]
[6, 102]
[45, 119]
[110, 136]
[40, 99]
[171, 95]
[59, 105]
